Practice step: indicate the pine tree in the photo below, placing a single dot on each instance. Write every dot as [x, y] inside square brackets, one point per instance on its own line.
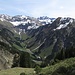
[25, 60]
[37, 69]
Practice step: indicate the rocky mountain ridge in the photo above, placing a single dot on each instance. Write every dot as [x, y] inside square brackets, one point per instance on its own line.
[39, 41]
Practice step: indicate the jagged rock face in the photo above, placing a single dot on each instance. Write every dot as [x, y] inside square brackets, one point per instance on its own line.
[45, 20]
[6, 59]
[49, 39]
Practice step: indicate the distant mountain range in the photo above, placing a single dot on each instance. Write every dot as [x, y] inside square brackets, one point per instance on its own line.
[42, 38]
[20, 19]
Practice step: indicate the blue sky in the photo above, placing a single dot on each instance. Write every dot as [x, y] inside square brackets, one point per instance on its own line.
[36, 8]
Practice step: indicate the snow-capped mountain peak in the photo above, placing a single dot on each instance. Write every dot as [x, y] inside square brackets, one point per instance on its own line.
[34, 23]
[4, 17]
[64, 22]
[46, 20]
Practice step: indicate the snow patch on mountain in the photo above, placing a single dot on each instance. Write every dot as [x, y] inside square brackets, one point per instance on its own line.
[35, 22]
[22, 17]
[65, 23]
[45, 20]
[33, 27]
[62, 26]
[4, 17]
[16, 23]
[71, 20]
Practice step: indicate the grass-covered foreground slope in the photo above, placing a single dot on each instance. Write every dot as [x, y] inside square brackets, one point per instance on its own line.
[66, 67]
[17, 71]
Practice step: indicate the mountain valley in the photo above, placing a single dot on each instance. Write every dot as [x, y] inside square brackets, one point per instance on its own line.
[27, 41]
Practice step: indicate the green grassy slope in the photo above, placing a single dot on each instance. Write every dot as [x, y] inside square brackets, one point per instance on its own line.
[68, 65]
[17, 71]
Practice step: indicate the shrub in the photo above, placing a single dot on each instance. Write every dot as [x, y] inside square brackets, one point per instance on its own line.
[60, 71]
[37, 69]
[22, 73]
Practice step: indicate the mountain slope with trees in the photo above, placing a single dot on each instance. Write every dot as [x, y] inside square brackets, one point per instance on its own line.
[37, 43]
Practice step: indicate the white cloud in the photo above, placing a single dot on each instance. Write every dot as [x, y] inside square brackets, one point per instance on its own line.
[2, 9]
[61, 7]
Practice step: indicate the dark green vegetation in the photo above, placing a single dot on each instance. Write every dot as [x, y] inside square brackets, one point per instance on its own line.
[22, 73]
[37, 69]
[65, 67]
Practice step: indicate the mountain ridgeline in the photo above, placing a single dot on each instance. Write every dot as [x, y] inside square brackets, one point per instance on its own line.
[26, 41]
